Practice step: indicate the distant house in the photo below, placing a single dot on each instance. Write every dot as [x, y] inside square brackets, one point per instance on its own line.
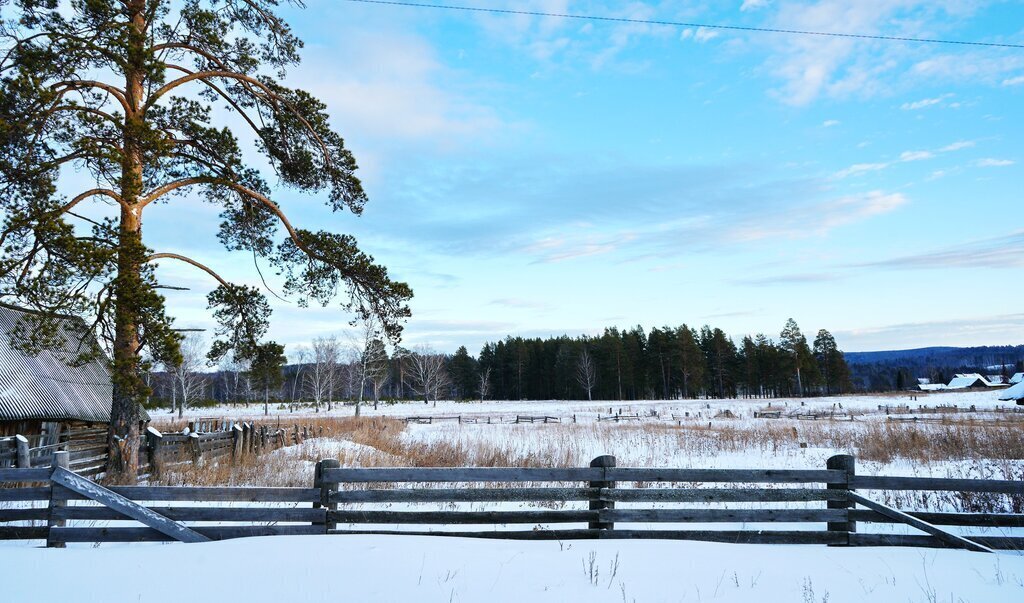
[1017, 378]
[1015, 393]
[996, 379]
[50, 393]
[969, 381]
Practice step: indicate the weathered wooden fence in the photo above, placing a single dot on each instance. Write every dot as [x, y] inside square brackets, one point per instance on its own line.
[823, 506]
[203, 439]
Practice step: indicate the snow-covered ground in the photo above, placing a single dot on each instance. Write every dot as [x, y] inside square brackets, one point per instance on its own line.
[410, 568]
[407, 568]
[585, 410]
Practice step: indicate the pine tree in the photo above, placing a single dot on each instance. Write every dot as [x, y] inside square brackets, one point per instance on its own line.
[463, 369]
[125, 92]
[794, 343]
[691, 362]
[268, 360]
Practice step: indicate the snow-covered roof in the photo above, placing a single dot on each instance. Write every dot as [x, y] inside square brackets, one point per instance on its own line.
[995, 379]
[1018, 378]
[1014, 393]
[931, 387]
[965, 380]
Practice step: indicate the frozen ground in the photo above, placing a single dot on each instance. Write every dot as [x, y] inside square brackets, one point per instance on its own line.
[400, 569]
[985, 399]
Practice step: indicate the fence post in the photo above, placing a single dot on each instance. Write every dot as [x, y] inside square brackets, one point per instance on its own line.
[598, 504]
[246, 434]
[153, 440]
[326, 489]
[236, 442]
[847, 463]
[193, 443]
[23, 461]
[58, 500]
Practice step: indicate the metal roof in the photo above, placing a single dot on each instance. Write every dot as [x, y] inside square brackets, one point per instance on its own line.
[46, 386]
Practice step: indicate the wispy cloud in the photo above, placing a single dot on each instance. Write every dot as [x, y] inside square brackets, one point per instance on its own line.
[956, 146]
[1014, 81]
[916, 155]
[829, 123]
[992, 162]
[754, 4]
[1005, 251]
[860, 168]
[925, 102]
[997, 329]
[807, 278]
[905, 157]
[699, 35]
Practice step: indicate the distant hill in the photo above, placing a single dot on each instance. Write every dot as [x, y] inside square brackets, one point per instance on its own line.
[879, 371]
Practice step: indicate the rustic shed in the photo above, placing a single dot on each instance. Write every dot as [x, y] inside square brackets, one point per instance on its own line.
[40, 394]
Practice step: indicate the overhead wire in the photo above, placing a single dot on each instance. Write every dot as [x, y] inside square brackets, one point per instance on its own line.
[743, 28]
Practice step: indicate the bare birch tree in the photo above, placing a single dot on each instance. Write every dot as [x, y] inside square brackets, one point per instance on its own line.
[320, 374]
[189, 382]
[485, 383]
[427, 372]
[370, 359]
[586, 372]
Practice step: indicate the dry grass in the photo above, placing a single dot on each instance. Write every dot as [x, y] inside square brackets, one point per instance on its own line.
[383, 442]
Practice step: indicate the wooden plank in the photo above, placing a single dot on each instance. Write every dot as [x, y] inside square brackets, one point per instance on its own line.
[23, 533]
[427, 495]
[539, 474]
[21, 494]
[1004, 543]
[948, 538]
[125, 506]
[461, 517]
[689, 495]
[721, 495]
[214, 494]
[875, 482]
[150, 535]
[462, 474]
[991, 520]
[631, 474]
[204, 514]
[41, 474]
[30, 514]
[727, 536]
[722, 515]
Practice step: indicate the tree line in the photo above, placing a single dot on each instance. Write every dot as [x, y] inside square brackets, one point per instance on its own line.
[664, 363]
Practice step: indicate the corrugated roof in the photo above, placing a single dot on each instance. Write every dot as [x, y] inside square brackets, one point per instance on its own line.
[45, 386]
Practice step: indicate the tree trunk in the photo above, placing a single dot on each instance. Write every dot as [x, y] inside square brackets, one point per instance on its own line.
[266, 401]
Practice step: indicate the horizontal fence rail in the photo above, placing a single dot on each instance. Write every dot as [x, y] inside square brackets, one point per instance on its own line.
[827, 506]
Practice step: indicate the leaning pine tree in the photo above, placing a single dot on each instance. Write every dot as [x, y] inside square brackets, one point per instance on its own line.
[122, 93]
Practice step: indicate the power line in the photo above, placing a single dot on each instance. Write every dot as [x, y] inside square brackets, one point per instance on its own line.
[800, 32]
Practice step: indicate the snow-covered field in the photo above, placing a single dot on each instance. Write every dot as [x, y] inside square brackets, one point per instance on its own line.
[590, 410]
[405, 568]
[410, 568]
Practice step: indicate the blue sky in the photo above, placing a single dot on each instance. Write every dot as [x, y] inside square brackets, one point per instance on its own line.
[541, 176]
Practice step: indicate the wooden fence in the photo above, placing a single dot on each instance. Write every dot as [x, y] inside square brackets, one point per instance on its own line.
[207, 439]
[824, 506]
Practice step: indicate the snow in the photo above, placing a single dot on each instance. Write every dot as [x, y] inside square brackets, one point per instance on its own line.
[439, 568]
[1014, 393]
[982, 399]
[416, 568]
